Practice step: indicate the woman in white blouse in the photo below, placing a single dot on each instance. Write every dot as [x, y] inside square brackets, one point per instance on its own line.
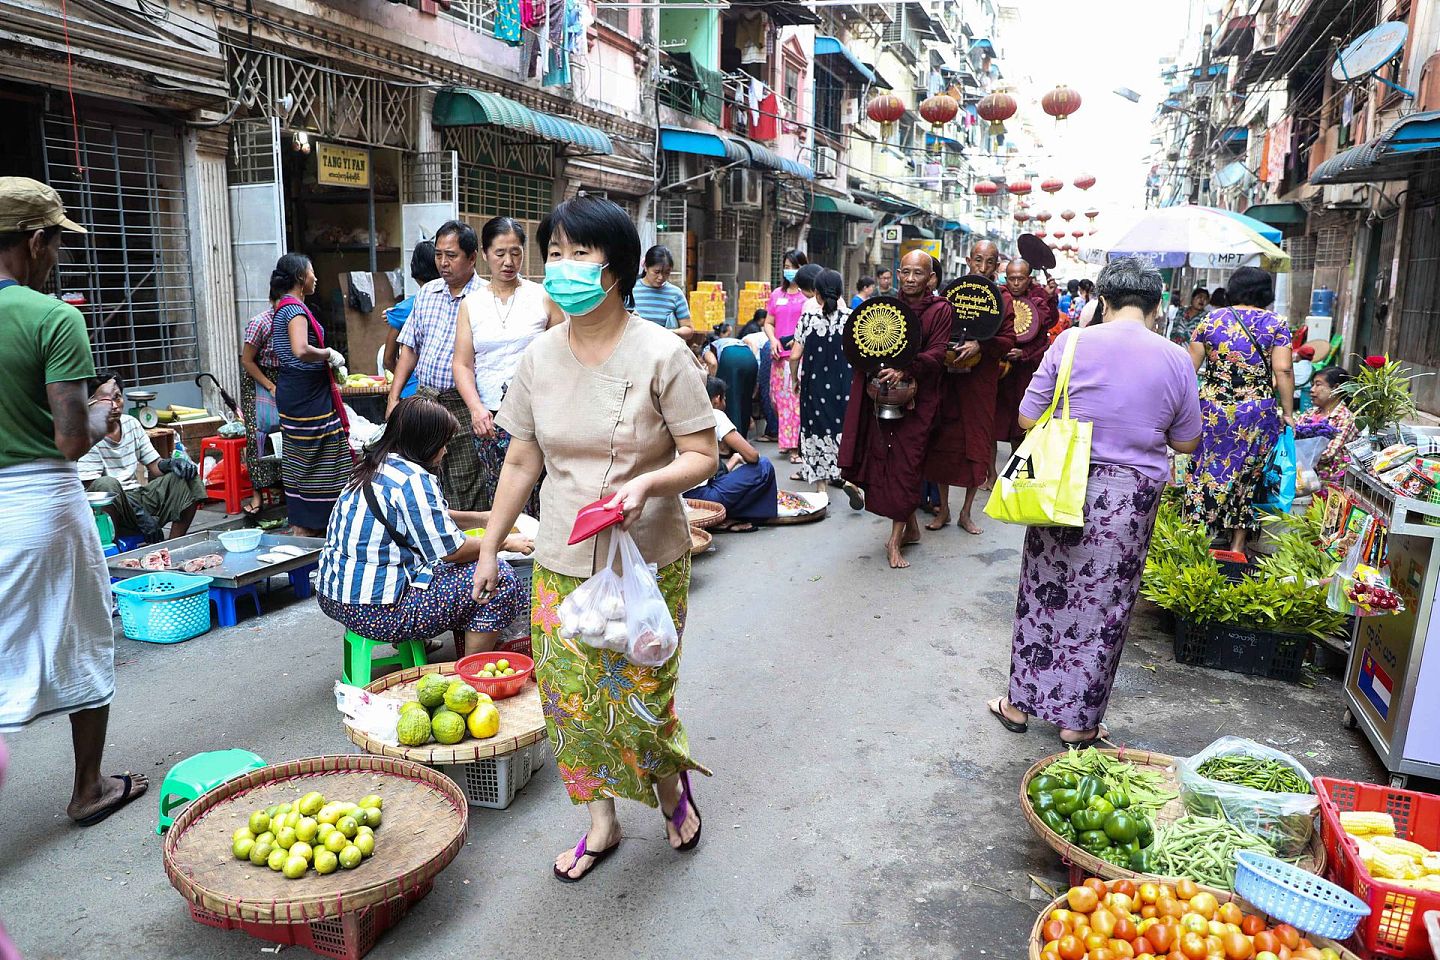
[496, 323]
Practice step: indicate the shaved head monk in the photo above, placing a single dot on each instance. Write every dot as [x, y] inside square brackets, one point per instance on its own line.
[962, 449]
[885, 457]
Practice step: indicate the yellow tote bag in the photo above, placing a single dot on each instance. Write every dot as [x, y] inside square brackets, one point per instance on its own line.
[1043, 483]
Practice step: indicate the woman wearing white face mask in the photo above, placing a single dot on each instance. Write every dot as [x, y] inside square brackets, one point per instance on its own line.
[783, 310]
[607, 404]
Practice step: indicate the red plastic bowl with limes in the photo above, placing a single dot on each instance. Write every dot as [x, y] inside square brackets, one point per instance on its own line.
[497, 688]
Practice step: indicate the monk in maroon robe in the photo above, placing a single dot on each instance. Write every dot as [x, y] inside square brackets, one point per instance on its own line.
[1035, 316]
[962, 450]
[885, 457]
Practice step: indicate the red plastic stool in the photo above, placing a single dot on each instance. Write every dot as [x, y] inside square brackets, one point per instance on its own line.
[230, 478]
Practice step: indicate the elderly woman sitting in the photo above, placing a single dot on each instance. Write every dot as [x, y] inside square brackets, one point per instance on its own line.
[396, 565]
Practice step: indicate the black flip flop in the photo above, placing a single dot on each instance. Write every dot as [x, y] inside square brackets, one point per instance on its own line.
[598, 857]
[1101, 733]
[125, 797]
[1006, 722]
[736, 528]
[856, 495]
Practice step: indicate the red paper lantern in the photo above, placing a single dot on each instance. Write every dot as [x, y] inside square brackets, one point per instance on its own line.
[885, 110]
[939, 110]
[1085, 181]
[986, 188]
[1020, 187]
[1067, 215]
[1092, 213]
[1077, 234]
[997, 108]
[1060, 102]
[1052, 185]
[1021, 216]
[1043, 216]
[1052, 243]
[1041, 233]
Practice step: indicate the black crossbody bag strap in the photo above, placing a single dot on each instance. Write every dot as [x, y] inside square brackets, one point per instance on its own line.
[1264, 354]
[368, 490]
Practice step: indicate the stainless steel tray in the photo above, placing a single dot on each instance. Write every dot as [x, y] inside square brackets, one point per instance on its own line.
[238, 570]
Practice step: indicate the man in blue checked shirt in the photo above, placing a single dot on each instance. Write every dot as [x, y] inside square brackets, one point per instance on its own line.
[427, 347]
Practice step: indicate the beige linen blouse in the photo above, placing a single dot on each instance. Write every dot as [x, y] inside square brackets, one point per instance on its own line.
[601, 427]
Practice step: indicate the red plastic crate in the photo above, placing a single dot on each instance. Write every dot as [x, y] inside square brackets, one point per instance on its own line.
[1395, 927]
[347, 937]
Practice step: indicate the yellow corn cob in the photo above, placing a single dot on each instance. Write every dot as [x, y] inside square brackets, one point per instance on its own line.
[1431, 883]
[1367, 850]
[1367, 823]
[1403, 847]
[1430, 863]
[1394, 866]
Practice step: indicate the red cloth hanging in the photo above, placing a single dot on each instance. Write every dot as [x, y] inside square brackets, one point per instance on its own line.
[766, 126]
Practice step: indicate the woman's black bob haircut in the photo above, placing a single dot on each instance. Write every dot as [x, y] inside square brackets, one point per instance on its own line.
[1251, 287]
[599, 224]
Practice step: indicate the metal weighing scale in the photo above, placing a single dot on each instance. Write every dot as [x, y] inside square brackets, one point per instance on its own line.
[141, 411]
[1392, 688]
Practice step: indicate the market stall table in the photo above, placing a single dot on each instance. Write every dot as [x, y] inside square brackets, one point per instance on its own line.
[1390, 685]
[489, 771]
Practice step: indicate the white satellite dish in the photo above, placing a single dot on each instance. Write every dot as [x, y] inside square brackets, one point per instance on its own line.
[1368, 53]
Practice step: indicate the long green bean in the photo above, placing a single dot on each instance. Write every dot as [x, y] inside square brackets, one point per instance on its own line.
[1203, 849]
[1147, 787]
[1271, 776]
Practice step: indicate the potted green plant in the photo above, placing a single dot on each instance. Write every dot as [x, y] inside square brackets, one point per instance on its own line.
[1379, 396]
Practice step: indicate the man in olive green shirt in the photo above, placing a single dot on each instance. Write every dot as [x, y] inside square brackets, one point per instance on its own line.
[57, 644]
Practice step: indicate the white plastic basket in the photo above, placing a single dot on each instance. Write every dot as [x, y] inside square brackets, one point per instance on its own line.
[494, 781]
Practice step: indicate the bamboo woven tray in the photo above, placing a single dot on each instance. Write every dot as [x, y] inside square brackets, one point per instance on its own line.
[704, 513]
[1314, 861]
[368, 390]
[425, 818]
[522, 722]
[700, 540]
[1037, 937]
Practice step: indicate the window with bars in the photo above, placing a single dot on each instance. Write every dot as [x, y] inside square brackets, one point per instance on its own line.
[748, 225]
[477, 15]
[617, 18]
[829, 101]
[1302, 252]
[131, 270]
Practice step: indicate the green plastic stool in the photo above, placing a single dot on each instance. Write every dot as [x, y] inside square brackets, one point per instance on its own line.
[195, 775]
[360, 661]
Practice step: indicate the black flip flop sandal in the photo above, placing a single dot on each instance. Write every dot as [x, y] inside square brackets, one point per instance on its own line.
[597, 857]
[1005, 721]
[1101, 733]
[127, 795]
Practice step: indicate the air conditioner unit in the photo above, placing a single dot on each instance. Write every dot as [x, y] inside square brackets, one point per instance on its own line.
[856, 233]
[746, 189]
[826, 163]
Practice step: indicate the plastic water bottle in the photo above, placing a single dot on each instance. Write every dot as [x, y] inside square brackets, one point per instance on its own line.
[1322, 302]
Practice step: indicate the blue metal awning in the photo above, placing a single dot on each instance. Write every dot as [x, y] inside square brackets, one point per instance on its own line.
[702, 144]
[1235, 135]
[1216, 70]
[1405, 149]
[763, 158]
[830, 47]
[982, 44]
[465, 106]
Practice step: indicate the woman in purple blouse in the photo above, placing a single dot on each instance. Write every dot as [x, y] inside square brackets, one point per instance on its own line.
[1078, 585]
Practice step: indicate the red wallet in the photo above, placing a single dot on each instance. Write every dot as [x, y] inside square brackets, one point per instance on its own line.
[594, 518]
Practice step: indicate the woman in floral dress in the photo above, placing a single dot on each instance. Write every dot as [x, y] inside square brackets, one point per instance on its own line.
[1247, 395]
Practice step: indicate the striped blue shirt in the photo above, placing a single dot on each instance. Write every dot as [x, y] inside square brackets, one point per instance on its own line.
[664, 304]
[361, 562]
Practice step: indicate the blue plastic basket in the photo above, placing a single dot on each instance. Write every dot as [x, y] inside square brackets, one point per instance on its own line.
[1297, 897]
[164, 607]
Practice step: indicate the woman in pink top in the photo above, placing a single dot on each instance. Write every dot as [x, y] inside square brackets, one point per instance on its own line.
[783, 311]
[1078, 586]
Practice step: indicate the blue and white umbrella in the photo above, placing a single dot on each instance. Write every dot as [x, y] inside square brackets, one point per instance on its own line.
[1201, 237]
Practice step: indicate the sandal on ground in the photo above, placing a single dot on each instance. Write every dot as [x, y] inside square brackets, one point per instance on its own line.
[766, 438]
[1101, 733]
[677, 819]
[742, 526]
[856, 495]
[796, 458]
[597, 857]
[797, 475]
[128, 794]
[997, 710]
[250, 509]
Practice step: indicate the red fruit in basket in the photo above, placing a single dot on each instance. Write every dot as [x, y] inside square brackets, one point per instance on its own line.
[1267, 942]
[1126, 887]
[1252, 925]
[1054, 930]
[1125, 929]
[1143, 946]
[1162, 935]
[1288, 935]
[1070, 947]
[1237, 946]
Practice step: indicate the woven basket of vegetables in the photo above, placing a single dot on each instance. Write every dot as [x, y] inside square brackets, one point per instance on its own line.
[1118, 910]
[1141, 828]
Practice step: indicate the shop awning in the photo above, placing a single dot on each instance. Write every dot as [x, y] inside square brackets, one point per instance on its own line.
[1277, 214]
[830, 47]
[702, 144]
[1399, 153]
[465, 107]
[763, 158]
[789, 14]
[912, 232]
[1235, 135]
[821, 203]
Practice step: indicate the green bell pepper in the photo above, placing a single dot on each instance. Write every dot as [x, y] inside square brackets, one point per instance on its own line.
[1086, 819]
[1042, 784]
[1043, 802]
[1130, 846]
[1053, 820]
[1089, 787]
[1067, 801]
[1142, 862]
[1093, 841]
[1067, 831]
[1147, 833]
[1121, 827]
[1101, 804]
[1118, 798]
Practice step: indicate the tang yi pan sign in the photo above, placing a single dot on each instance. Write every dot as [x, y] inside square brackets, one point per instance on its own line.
[339, 166]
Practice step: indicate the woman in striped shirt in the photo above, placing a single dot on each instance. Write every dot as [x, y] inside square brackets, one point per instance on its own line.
[396, 565]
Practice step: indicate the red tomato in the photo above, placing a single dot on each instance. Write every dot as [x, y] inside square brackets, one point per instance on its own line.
[1266, 942]
[1142, 945]
[1070, 947]
[1125, 929]
[1176, 955]
[1121, 949]
[1193, 945]
[1229, 913]
[1237, 946]
[1288, 935]
[1186, 889]
[1098, 885]
[1126, 887]
[1082, 899]
[1148, 911]
[1101, 954]
[1162, 935]
[1252, 925]
[1054, 930]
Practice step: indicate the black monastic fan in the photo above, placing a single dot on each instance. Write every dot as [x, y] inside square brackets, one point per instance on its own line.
[882, 332]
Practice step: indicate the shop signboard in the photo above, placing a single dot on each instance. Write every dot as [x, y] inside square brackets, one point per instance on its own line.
[341, 166]
[1381, 661]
